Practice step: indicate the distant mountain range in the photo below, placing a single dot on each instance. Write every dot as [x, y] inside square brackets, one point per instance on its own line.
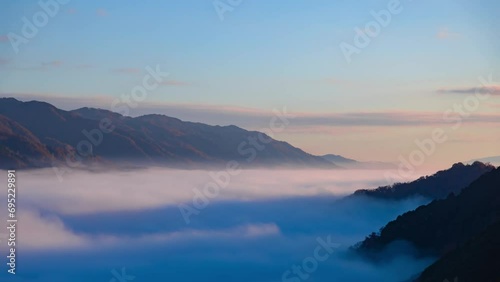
[337, 159]
[436, 186]
[354, 164]
[463, 230]
[37, 134]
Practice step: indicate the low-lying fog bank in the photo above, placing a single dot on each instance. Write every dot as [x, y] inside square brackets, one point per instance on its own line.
[260, 226]
[93, 192]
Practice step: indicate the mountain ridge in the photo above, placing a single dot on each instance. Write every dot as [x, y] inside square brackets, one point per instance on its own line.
[355, 164]
[436, 186]
[149, 139]
[445, 224]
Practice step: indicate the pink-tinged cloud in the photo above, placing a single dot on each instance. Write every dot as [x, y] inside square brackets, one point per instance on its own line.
[101, 12]
[4, 61]
[445, 33]
[175, 83]
[72, 11]
[127, 70]
[251, 118]
[464, 139]
[4, 38]
[56, 63]
[43, 66]
[493, 90]
[84, 66]
[329, 130]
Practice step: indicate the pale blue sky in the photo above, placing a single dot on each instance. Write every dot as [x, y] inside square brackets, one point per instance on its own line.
[264, 54]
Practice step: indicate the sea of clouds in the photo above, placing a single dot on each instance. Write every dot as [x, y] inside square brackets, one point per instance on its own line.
[92, 226]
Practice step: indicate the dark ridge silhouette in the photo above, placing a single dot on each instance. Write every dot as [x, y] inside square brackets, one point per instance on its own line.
[443, 225]
[436, 186]
[476, 260]
[37, 134]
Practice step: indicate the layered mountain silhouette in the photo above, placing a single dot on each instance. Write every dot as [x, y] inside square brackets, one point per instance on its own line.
[337, 159]
[436, 186]
[37, 134]
[463, 230]
[354, 164]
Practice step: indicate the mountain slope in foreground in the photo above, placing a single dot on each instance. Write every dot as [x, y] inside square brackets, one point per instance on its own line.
[36, 134]
[444, 226]
[476, 260]
[436, 186]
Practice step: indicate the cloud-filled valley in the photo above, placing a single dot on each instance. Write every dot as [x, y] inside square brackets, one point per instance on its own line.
[261, 225]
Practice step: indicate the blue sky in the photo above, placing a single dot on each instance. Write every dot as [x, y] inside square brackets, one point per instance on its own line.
[262, 55]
